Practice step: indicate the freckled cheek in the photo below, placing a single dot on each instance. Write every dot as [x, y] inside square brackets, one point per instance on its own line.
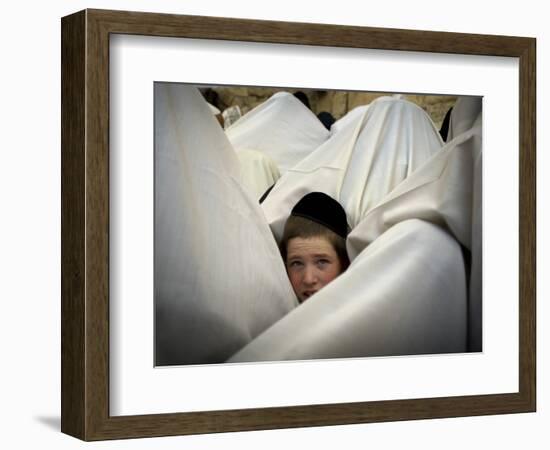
[329, 275]
[294, 278]
[323, 280]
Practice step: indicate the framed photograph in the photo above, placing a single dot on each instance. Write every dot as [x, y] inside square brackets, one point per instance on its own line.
[272, 225]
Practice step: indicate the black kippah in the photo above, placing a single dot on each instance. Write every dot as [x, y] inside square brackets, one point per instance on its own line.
[324, 210]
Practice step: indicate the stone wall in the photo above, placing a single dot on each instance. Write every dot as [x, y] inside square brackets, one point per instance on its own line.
[338, 103]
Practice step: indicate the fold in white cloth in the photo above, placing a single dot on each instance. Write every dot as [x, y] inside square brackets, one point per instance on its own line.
[258, 171]
[282, 127]
[446, 191]
[218, 275]
[404, 294]
[372, 152]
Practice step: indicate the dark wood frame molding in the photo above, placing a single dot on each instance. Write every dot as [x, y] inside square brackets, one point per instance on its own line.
[85, 224]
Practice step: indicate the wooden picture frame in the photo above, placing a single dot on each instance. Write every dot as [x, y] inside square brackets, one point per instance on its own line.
[85, 224]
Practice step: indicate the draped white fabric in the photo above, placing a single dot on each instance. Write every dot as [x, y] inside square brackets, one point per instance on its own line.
[370, 154]
[405, 294]
[221, 287]
[446, 191]
[347, 118]
[282, 127]
[441, 192]
[463, 115]
[406, 290]
[258, 171]
[219, 278]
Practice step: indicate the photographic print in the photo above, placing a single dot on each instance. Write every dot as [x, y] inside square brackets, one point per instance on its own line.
[299, 224]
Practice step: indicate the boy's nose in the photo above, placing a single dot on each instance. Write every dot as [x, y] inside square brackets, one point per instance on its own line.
[310, 276]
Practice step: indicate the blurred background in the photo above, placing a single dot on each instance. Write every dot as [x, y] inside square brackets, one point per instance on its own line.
[235, 100]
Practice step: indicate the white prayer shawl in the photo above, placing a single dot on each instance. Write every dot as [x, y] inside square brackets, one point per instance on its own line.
[367, 158]
[446, 191]
[221, 288]
[405, 291]
[218, 275]
[463, 115]
[281, 127]
[440, 192]
[347, 118]
[466, 115]
[258, 171]
[404, 294]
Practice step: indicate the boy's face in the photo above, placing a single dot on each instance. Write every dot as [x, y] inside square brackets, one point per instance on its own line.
[311, 264]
